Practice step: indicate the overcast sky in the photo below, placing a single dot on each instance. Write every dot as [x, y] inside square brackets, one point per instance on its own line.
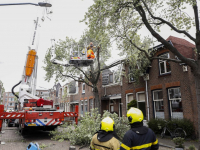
[16, 29]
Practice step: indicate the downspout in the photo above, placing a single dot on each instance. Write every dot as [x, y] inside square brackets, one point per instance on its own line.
[147, 101]
[146, 77]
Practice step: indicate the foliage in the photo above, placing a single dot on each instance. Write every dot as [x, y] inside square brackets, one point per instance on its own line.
[158, 124]
[179, 142]
[15, 98]
[82, 133]
[132, 103]
[191, 147]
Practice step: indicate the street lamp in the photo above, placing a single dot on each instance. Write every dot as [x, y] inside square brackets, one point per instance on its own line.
[41, 4]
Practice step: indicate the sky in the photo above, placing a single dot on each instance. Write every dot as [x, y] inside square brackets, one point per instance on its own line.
[16, 29]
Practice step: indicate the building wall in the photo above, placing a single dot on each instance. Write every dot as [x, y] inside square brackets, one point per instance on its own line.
[8, 101]
[177, 78]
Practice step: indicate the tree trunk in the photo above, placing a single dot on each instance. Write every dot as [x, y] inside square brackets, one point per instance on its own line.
[97, 101]
[197, 85]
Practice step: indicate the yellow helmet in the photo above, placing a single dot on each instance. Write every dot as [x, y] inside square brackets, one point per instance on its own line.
[135, 115]
[107, 124]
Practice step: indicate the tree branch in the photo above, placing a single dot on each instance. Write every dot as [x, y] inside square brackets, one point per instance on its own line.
[74, 78]
[160, 39]
[168, 23]
[196, 15]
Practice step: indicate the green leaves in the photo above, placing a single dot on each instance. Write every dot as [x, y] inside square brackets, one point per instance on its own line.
[88, 126]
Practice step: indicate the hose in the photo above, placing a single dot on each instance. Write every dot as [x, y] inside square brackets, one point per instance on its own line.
[13, 89]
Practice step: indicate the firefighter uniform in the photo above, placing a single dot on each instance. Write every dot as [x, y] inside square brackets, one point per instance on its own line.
[138, 137]
[105, 138]
[96, 144]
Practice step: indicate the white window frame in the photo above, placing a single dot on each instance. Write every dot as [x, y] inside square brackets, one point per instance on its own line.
[129, 75]
[127, 99]
[170, 100]
[156, 100]
[81, 108]
[165, 64]
[86, 101]
[83, 91]
[141, 101]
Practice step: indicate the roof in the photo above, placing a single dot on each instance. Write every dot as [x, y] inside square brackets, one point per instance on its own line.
[176, 40]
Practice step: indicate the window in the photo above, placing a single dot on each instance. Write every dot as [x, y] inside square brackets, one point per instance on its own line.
[110, 78]
[11, 99]
[164, 65]
[158, 104]
[11, 104]
[11, 94]
[5, 99]
[91, 104]
[83, 88]
[129, 99]
[41, 93]
[86, 107]
[175, 101]
[81, 108]
[130, 75]
[141, 103]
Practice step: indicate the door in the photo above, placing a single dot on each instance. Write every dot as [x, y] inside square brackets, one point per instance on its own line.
[141, 104]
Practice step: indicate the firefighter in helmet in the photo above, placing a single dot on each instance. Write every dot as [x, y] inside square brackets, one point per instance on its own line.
[105, 138]
[139, 136]
[90, 53]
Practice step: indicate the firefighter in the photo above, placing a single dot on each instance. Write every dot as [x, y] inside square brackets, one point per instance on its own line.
[90, 53]
[105, 138]
[139, 136]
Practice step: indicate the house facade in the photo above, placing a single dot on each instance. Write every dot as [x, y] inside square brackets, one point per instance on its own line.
[166, 91]
[8, 101]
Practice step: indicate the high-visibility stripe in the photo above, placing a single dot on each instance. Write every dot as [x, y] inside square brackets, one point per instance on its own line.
[139, 147]
[40, 122]
[49, 122]
[125, 147]
[156, 142]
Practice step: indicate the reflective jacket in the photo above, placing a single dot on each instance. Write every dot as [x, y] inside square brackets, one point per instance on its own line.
[112, 144]
[90, 54]
[141, 138]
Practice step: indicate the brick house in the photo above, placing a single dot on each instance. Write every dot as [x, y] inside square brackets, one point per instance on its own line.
[166, 91]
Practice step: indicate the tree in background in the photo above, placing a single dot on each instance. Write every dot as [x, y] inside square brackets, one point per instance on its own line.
[64, 97]
[132, 103]
[125, 20]
[91, 73]
[2, 90]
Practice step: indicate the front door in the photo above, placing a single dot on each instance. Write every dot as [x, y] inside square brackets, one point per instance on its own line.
[141, 104]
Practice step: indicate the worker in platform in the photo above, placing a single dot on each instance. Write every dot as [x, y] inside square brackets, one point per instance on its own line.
[90, 53]
[138, 137]
[105, 138]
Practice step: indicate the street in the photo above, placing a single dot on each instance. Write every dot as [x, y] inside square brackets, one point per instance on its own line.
[15, 141]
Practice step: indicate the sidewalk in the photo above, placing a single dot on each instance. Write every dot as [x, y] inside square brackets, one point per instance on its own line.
[167, 142]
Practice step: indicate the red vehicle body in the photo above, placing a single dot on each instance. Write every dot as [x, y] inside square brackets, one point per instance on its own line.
[33, 117]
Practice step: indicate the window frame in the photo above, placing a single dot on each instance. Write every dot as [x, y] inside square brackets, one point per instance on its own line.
[165, 64]
[130, 74]
[172, 99]
[156, 100]
[83, 90]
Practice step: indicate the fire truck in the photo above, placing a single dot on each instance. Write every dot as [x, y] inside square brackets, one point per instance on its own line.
[34, 112]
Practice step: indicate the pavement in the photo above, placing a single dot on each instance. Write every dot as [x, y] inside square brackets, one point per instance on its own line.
[11, 140]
